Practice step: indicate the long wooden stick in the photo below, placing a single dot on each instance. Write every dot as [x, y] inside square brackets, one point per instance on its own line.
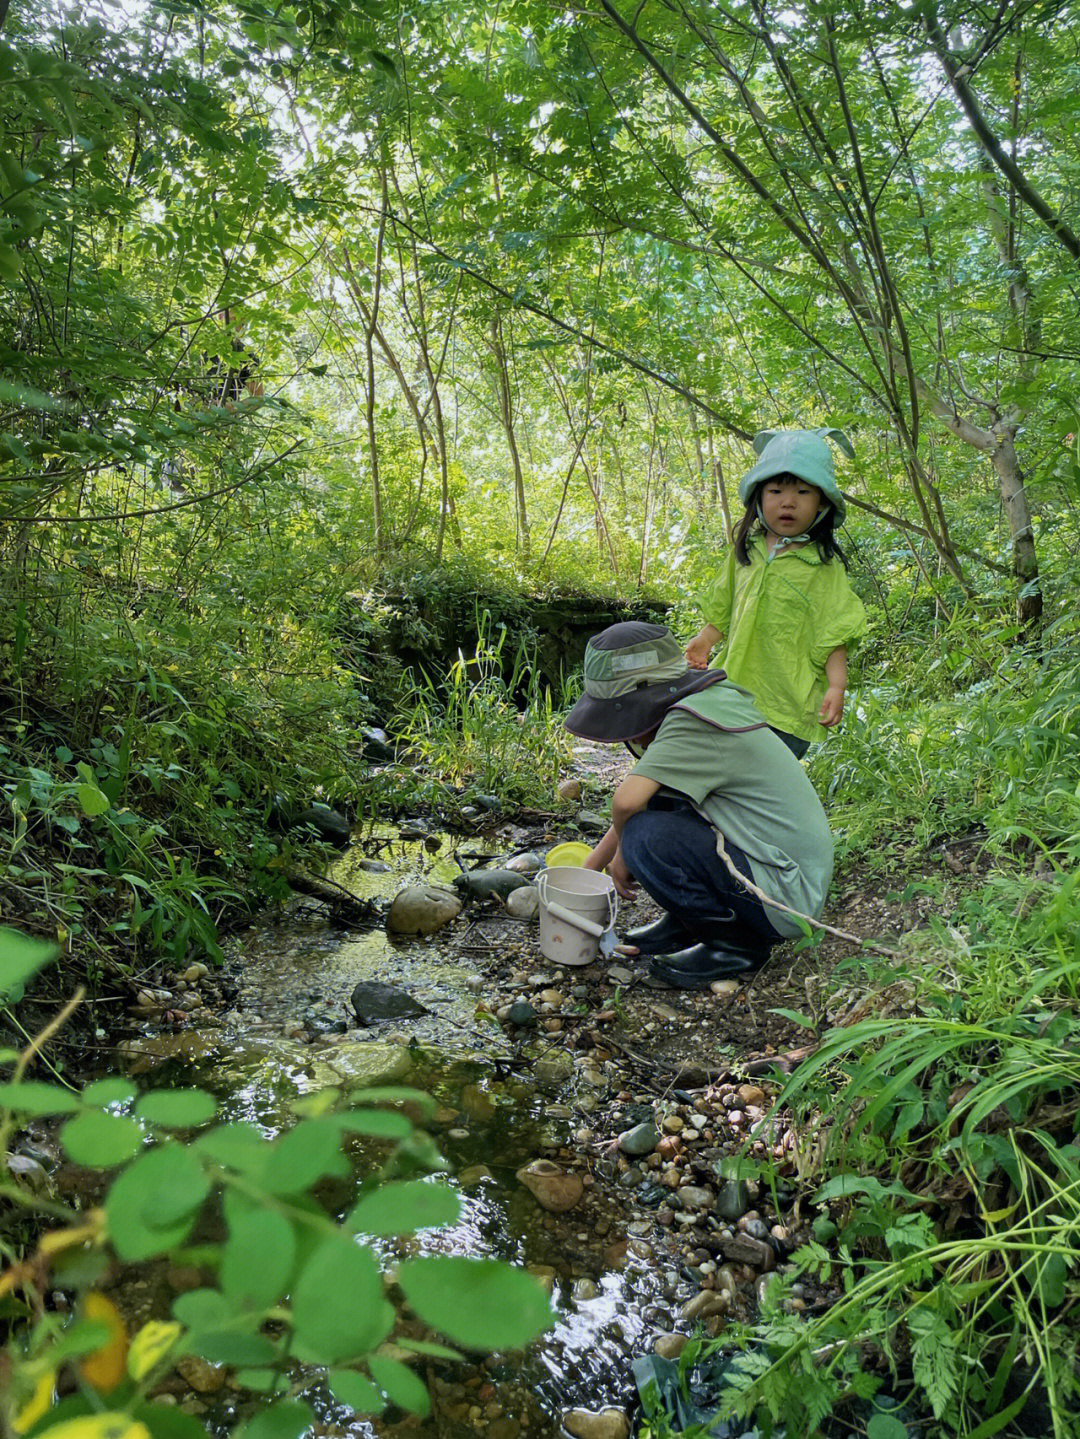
[809, 919]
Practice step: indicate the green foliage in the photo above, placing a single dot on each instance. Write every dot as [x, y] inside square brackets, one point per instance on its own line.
[1001, 753]
[285, 1282]
[491, 726]
[972, 1089]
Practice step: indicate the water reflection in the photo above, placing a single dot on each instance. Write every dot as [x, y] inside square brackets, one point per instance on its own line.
[488, 1123]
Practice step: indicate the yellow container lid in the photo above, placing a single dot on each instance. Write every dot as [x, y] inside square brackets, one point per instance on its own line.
[571, 853]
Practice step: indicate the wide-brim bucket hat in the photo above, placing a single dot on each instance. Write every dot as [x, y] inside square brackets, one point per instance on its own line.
[634, 673]
[803, 453]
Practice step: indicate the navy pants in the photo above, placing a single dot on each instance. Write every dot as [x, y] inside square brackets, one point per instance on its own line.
[797, 746]
[671, 851]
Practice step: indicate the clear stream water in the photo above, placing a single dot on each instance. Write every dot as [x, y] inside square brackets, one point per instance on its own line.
[492, 1117]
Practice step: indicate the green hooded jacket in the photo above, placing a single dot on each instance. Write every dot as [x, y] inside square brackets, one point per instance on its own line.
[781, 618]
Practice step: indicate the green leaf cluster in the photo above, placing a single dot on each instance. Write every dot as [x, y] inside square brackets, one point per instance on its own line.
[288, 1284]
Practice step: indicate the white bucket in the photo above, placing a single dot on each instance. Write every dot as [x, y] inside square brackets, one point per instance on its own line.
[577, 906]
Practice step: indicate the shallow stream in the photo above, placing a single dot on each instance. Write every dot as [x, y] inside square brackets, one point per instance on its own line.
[288, 1033]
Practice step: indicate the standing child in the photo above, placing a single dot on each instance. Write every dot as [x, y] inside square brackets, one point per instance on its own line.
[782, 599]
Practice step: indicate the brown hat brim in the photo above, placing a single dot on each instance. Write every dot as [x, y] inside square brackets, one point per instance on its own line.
[613, 721]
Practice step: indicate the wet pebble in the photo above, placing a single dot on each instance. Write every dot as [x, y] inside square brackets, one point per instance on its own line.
[751, 1094]
[553, 1188]
[691, 1196]
[200, 1374]
[704, 1303]
[642, 1139]
[524, 903]
[732, 1200]
[527, 863]
[607, 1424]
[670, 1346]
[762, 1287]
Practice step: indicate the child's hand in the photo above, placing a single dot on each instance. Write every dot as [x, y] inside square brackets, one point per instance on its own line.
[832, 706]
[625, 882]
[697, 652]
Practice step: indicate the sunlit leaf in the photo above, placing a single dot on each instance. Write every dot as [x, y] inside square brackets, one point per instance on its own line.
[32, 1096]
[400, 1384]
[339, 1310]
[20, 959]
[478, 1303]
[105, 1367]
[177, 1108]
[99, 1140]
[92, 801]
[258, 1259]
[303, 1156]
[354, 1390]
[239, 1146]
[404, 1207]
[150, 1208]
[287, 1419]
[109, 1091]
[98, 1426]
[150, 1345]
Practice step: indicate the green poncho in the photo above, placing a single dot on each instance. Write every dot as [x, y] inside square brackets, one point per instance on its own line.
[781, 618]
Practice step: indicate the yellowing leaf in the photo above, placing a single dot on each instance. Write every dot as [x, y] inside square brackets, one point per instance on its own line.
[150, 1345]
[38, 1404]
[110, 1425]
[60, 1239]
[105, 1368]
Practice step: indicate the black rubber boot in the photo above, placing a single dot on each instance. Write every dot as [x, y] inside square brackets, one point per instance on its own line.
[665, 935]
[699, 966]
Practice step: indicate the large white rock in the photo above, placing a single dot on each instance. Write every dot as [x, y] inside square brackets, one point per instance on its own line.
[422, 909]
[524, 903]
[361, 1066]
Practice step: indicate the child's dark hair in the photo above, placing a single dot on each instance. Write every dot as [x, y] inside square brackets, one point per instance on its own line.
[824, 526]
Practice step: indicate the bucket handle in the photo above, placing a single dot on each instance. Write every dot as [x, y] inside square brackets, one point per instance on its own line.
[587, 926]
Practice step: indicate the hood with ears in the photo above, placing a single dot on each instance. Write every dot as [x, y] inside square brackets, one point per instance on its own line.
[798, 452]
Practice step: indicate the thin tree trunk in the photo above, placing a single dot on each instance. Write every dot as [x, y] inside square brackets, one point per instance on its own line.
[506, 410]
[369, 358]
[716, 469]
[1010, 477]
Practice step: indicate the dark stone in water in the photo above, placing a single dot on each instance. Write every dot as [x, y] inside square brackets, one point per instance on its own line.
[330, 826]
[373, 1001]
[522, 1012]
[652, 1195]
[483, 883]
[377, 746]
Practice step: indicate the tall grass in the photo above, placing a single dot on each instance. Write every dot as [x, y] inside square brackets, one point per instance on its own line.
[939, 1142]
[490, 725]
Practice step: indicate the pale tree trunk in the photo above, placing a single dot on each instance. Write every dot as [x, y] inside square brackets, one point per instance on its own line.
[506, 411]
[579, 433]
[369, 359]
[716, 469]
[433, 372]
[1010, 479]
[646, 528]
